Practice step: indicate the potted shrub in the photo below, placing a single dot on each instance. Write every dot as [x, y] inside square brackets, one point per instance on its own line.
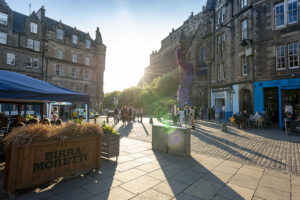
[110, 146]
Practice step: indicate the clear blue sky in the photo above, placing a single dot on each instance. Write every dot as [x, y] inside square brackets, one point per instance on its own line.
[131, 29]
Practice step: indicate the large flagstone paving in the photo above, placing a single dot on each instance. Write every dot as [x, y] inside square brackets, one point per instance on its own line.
[147, 174]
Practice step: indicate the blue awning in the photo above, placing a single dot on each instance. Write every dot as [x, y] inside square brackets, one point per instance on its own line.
[18, 87]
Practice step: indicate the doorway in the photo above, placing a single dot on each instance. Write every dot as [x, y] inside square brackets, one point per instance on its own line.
[271, 103]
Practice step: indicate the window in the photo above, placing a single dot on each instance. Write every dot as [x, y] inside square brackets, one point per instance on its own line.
[3, 38]
[36, 46]
[3, 18]
[279, 14]
[86, 88]
[293, 55]
[74, 73]
[58, 83]
[223, 41]
[221, 15]
[244, 29]
[59, 54]
[88, 44]
[221, 72]
[219, 43]
[243, 3]
[75, 38]
[33, 27]
[73, 87]
[11, 59]
[87, 61]
[280, 57]
[292, 11]
[58, 70]
[35, 63]
[74, 58]
[244, 65]
[30, 43]
[60, 34]
[86, 75]
[29, 62]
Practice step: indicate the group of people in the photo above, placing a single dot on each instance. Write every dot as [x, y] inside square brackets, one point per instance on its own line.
[21, 121]
[128, 114]
[184, 115]
[246, 119]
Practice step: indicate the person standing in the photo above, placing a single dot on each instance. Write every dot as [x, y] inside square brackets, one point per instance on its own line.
[116, 115]
[186, 114]
[124, 116]
[217, 113]
[181, 116]
[141, 114]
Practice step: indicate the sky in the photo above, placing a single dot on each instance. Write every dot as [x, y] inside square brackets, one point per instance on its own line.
[131, 29]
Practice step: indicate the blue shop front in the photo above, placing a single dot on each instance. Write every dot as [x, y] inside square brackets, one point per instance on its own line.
[278, 97]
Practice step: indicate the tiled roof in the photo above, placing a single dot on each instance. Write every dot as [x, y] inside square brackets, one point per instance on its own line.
[19, 19]
[18, 25]
[210, 5]
[51, 23]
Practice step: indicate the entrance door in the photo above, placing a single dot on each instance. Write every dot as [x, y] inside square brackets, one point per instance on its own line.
[271, 102]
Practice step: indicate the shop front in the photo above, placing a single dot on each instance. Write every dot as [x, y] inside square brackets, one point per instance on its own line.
[227, 99]
[279, 97]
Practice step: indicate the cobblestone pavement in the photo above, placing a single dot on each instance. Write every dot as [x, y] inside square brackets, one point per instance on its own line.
[266, 148]
[269, 148]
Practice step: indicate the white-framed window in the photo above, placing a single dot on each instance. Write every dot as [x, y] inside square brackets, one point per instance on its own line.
[74, 73]
[3, 38]
[279, 14]
[29, 43]
[35, 62]
[36, 45]
[86, 74]
[74, 39]
[74, 58]
[244, 29]
[29, 62]
[243, 3]
[58, 70]
[58, 83]
[223, 40]
[280, 57]
[221, 15]
[219, 43]
[11, 59]
[87, 61]
[88, 44]
[33, 27]
[292, 11]
[3, 18]
[220, 72]
[244, 60]
[73, 87]
[59, 54]
[293, 55]
[60, 34]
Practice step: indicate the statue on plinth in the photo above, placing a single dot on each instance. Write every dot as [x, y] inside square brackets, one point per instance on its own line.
[187, 75]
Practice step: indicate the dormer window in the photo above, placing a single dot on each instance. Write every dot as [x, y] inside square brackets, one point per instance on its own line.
[88, 44]
[3, 18]
[60, 34]
[33, 27]
[75, 39]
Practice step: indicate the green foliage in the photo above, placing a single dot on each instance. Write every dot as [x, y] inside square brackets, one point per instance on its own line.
[108, 129]
[156, 98]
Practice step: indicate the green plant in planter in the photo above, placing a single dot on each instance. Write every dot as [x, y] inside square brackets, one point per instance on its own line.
[109, 130]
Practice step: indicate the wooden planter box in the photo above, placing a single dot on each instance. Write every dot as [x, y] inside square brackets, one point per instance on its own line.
[43, 161]
[110, 146]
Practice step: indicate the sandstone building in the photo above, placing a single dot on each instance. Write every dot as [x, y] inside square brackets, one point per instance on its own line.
[46, 49]
[245, 56]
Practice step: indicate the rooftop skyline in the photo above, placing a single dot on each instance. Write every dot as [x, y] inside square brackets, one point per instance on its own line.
[130, 29]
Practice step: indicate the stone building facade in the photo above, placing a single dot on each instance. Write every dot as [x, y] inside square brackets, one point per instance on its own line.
[246, 57]
[46, 49]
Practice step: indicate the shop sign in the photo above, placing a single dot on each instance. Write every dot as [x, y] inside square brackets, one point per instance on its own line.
[222, 89]
[219, 95]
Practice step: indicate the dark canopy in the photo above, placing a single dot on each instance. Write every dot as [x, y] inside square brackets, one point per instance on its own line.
[18, 87]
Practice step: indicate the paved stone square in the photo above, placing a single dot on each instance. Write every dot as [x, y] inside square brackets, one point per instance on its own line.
[166, 176]
[269, 148]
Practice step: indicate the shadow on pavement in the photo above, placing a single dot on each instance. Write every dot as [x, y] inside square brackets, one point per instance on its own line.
[187, 178]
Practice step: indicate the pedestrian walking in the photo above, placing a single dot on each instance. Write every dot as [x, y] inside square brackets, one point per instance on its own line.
[124, 115]
[116, 115]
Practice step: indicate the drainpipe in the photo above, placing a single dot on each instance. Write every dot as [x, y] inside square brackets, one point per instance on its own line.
[252, 57]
